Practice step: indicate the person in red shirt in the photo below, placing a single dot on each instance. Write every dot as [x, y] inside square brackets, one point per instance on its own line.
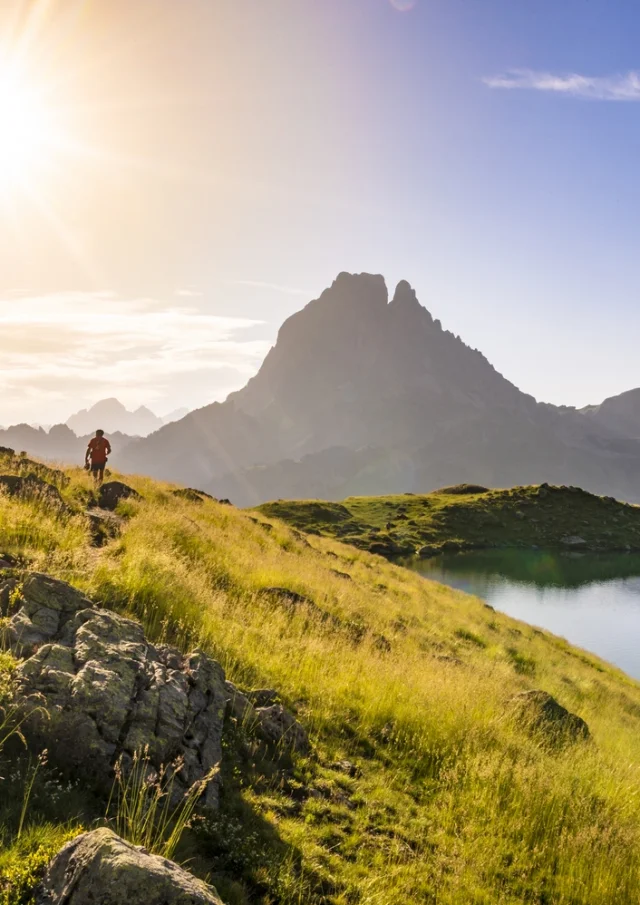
[97, 451]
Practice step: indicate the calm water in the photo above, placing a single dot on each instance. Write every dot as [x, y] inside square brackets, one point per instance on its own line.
[592, 601]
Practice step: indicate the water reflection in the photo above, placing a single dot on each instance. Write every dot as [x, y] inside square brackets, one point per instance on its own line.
[592, 600]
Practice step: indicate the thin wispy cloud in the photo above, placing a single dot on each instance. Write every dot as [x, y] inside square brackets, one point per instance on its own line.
[67, 349]
[618, 87]
[274, 287]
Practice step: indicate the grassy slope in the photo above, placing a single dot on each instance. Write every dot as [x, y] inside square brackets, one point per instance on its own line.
[520, 517]
[455, 803]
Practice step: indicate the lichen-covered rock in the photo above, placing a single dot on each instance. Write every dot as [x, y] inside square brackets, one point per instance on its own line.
[111, 493]
[46, 605]
[110, 693]
[542, 713]
[100, 868]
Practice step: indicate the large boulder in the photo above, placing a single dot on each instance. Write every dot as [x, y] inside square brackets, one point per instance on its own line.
[30, 486]
[100, 868]
[110, 694]
[543, 714]
[111, 493]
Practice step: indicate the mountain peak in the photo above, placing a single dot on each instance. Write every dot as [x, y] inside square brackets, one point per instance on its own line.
[366, 289]
[111, 415]
[405, 299]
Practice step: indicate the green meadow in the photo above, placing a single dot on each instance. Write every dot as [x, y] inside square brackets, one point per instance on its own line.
[448, 796]
[467, 517]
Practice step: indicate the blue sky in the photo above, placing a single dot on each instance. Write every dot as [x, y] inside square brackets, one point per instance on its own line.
[230, 157]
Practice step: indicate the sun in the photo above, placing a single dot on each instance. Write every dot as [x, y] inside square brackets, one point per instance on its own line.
[28, 131]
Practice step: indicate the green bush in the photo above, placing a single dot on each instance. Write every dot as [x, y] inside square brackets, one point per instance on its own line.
[23, 864]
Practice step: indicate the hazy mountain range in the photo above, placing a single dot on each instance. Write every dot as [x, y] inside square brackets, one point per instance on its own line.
[111, 415]
[67, 442]
[365, 395]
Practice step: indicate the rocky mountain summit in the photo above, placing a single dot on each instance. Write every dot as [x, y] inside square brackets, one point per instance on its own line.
[363, 394]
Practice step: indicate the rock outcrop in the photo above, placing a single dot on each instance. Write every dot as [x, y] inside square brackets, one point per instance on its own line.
[102, 869]
[542, 713]
[30, 486]
[110, 693]
[261, 711]
[111, 493]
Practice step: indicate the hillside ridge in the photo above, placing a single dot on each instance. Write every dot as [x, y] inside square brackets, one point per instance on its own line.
[465, 517]
[415, 699]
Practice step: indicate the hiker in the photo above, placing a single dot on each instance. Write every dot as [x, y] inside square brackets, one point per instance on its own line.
[97, 451]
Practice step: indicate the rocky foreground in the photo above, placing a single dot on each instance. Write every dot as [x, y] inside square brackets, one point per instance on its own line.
[98, 693]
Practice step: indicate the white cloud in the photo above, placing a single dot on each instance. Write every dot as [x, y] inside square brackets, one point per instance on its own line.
[620, 87]
[62, 351]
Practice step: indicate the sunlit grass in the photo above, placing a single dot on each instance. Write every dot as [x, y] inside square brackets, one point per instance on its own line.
[455, 802]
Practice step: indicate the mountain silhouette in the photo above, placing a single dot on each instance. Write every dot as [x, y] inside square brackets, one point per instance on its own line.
[365, 395]
[111, 415]
[620, 414]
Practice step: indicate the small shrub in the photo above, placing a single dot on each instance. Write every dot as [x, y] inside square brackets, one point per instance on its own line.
[466, 635]
[23, 864]
[522, 664]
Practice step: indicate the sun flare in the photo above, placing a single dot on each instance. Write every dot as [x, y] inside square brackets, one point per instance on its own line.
[28, 131]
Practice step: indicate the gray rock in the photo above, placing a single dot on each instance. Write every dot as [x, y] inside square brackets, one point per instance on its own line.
[346, 766]
[46, 606]
[279, 727]
[263, 697]
[30, 486]
[261, 714]
[100, 868]
[543, 713]
[110, 693]
[104, 525]
[573, 540]
[193, 495]
[111, 493]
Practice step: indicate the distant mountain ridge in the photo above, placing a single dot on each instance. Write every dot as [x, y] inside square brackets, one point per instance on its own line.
[365, 395]
[67, 442]
[59, 443]
[111, 415]
[618, 413]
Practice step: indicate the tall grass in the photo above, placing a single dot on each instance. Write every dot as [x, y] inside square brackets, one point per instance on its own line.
[144, 806]
[456, 802]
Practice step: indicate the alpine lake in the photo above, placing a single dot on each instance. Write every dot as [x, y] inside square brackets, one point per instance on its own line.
[591, 600]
